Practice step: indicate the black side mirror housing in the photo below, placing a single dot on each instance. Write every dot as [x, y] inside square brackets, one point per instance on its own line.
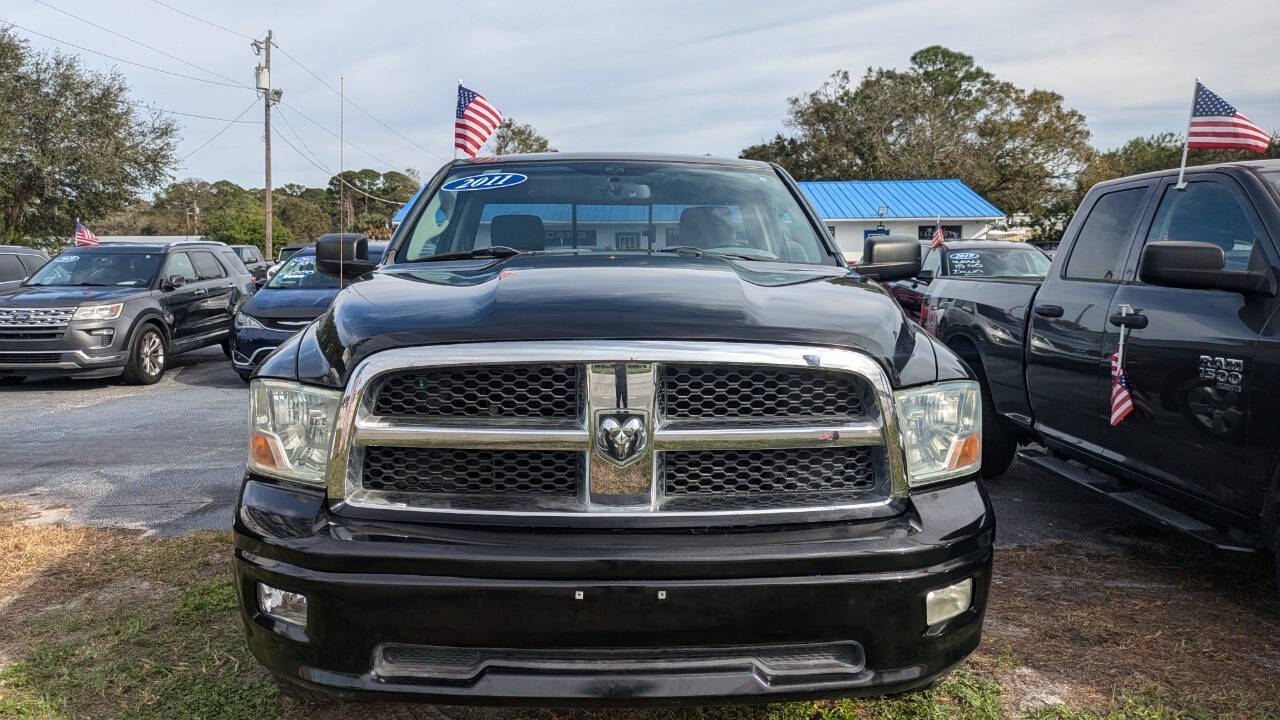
[343, 254]
[1198, 265]
[925, 276]
[889, 258]
[173, 282]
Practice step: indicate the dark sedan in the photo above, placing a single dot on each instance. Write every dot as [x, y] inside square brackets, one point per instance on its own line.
[290, 300]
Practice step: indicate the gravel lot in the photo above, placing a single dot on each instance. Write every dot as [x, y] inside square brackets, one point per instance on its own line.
[167, 458]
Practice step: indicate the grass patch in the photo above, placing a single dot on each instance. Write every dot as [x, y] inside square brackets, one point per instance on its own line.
[103, 624]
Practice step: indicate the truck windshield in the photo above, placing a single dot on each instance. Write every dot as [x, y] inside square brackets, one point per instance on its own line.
[125, 269]
[1273, 178]
[998, 262]
[615, 207]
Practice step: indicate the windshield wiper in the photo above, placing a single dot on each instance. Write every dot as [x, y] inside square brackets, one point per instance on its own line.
[494, 251]
[699, 252]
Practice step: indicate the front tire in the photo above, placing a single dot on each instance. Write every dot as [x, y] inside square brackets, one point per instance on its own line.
[226, 348]
[148, 357]
[998, 442]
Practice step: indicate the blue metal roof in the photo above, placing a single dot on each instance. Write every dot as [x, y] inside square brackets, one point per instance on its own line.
[861, 199]
[916, 199]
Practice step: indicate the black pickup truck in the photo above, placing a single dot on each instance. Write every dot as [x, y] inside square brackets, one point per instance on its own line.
[1189, 276]
[612, 429]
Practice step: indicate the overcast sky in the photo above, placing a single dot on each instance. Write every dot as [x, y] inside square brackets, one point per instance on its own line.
[685, 76]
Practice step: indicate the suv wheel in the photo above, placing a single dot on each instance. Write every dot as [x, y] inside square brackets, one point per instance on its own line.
[147, 358]
[226, 348]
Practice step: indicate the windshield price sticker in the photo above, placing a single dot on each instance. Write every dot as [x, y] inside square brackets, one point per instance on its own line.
[67, 258]
[484, 182]
[965, 263]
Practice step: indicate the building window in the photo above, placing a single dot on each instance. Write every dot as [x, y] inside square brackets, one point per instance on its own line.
[628, 241]
[950, 232]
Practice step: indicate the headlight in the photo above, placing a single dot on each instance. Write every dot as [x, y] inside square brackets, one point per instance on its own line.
[248, 322]
[290, 427]
[98, 312]
[941, 427]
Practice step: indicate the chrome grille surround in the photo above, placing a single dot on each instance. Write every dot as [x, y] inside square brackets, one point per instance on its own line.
[55, 318]
[633, 487]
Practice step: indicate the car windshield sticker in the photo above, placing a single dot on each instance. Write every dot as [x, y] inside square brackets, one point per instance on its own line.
[66, 258]
[491, 181]
[965, 263]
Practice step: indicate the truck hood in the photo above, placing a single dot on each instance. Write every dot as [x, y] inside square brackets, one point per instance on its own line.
[602, 297]
[66, 295]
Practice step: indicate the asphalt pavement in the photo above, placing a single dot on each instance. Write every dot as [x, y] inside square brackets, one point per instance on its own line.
[167, 458]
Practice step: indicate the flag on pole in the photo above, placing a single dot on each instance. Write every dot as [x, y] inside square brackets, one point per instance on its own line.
[1216, 125]
[1121, 403]
[938, 236]
[474, 121]
[85, 237]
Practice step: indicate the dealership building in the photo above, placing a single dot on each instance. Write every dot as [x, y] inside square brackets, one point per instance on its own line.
[854, 210]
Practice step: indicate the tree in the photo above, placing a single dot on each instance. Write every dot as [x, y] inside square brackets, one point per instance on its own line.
[72, 143]
[304, 220]
[244, 225]
[512, 138]
[942, 117]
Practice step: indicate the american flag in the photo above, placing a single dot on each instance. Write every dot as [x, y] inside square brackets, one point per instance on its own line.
[85, 237]
[474, 121]
[938, 236]
[1216, 125]
[1121, 403]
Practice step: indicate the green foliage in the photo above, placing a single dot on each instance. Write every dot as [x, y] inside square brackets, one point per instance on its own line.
[72, 144]
[942, 117]
[244, 224]
[512, 138]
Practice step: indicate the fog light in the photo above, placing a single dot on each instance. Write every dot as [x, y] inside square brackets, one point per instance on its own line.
[948, 602]
[283, 605]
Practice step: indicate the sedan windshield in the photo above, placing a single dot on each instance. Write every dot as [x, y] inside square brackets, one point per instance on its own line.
[998, 262]
[300, 271]
[614, 207]
[124, 269]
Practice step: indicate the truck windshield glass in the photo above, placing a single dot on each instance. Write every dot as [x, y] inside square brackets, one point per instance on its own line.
[1273, 178]
[1021, 262]
[99, 269]
[615, 207]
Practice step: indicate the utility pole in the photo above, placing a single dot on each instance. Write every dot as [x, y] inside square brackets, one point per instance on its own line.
[269, 96]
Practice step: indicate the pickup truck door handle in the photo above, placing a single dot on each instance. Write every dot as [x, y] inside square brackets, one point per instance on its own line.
[1133, 321]
[200, 291]
[1049, 311]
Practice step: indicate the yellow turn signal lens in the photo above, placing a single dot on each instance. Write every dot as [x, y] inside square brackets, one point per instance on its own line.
[965, 451]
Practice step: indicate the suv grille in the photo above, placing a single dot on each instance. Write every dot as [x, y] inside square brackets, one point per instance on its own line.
[472, 472]
[551, 392]
[702, 392]
[35, 318]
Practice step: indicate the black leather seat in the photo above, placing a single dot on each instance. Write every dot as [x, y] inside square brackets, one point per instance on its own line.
[706, 226]
[520, 232]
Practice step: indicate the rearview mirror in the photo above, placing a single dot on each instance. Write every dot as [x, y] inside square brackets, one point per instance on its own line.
[889, 258]
[343, 254]
[1197, 265]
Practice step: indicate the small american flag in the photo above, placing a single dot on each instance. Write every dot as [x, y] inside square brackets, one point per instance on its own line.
[1121, 403]
[85, 237]
[1215, 125]
[938, 236]
[474, 121]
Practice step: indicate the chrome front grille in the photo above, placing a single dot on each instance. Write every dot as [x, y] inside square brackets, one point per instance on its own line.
[719, 393]
[471, 473]
[658, 432]
[496, 391]
[43, 320]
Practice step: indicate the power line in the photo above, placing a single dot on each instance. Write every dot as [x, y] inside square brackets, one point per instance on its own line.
[296, 134]
[224, 129]
[321, 167]
[206, 22]
[135, 42]
[122, 60]
[336, 135]
[353, 104]
[209, 117]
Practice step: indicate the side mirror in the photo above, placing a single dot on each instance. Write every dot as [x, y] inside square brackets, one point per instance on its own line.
[173, 282]
[885, 258]
[1197, 265]
[346, 256]
[925, 276]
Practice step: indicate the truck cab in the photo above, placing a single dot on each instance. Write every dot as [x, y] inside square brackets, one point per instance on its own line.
[1187, 273]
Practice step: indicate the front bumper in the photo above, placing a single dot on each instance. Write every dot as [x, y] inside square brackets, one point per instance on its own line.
[466, 615]
[84, 349]
[250, 346]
